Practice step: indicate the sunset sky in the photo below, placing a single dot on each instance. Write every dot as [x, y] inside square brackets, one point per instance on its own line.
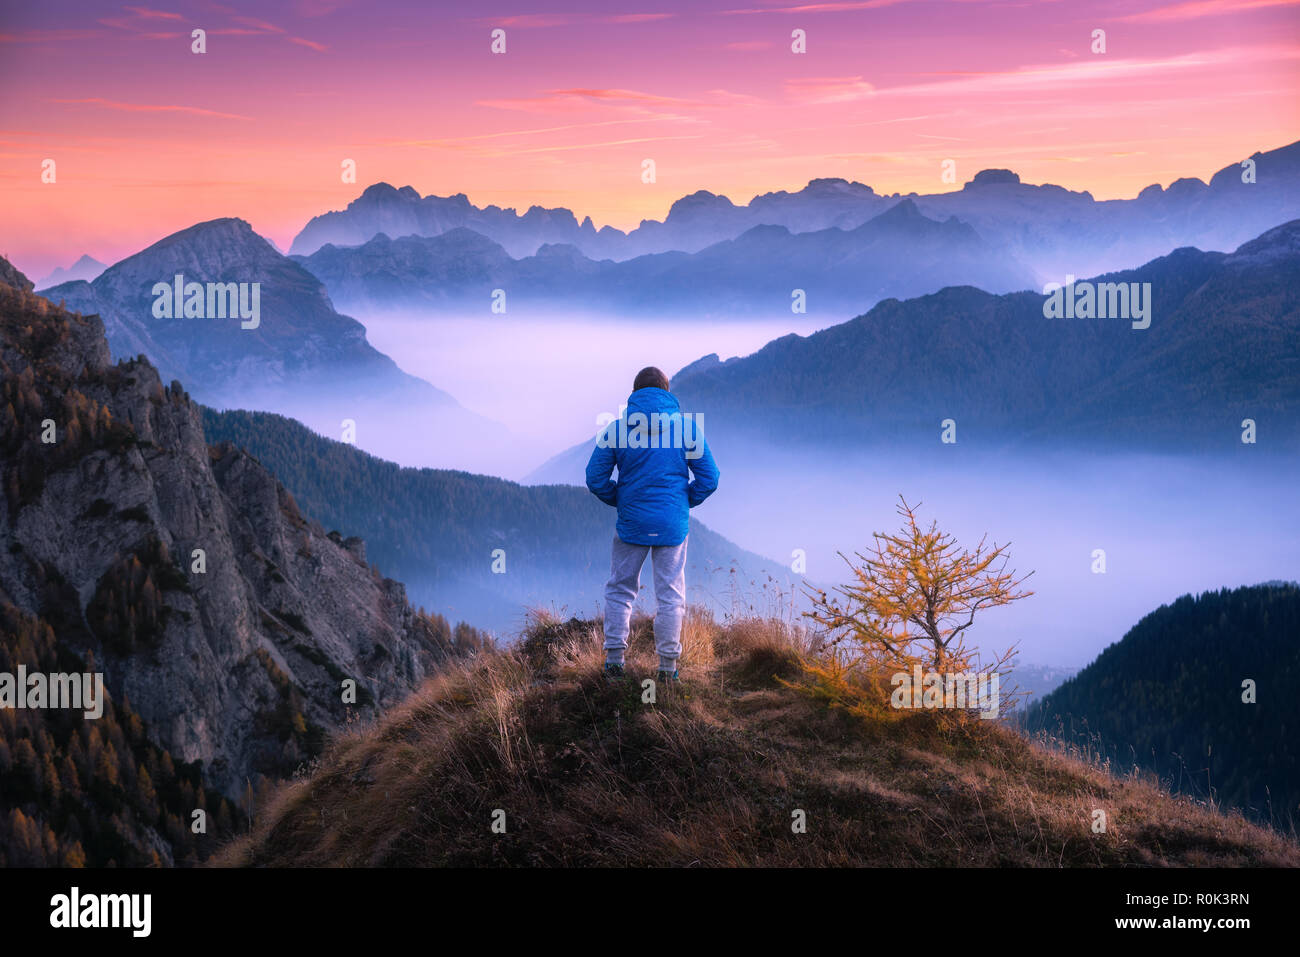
[149, 137]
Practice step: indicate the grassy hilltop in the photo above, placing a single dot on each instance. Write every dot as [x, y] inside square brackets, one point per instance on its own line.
[711, 774]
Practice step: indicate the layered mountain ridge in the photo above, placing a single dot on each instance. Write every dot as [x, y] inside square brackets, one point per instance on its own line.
[1049, 228]
[1222, 347]
[299, 357]
[766, 270]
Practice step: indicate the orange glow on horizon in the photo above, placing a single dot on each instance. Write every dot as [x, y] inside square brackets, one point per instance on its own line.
[149, 138]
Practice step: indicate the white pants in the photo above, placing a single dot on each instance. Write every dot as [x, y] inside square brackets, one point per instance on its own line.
[669, 563]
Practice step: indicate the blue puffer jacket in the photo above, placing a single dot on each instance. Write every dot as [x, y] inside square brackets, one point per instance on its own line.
[664, 466]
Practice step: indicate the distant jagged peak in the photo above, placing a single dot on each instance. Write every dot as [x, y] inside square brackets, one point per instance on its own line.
[87, 267]
[994, 177]
[836, 184]
[822, 187]
[698, 202]
[379, 191]
[907, 213]
[904, 209]
[1270, 167]
[1187, 186]
[217, 244]
[226, 227]
[542, 214]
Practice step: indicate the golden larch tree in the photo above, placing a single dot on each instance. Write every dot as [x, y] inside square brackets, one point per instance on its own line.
[910, 600]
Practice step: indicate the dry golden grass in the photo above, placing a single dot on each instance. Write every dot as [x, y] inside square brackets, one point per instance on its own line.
[710, 774]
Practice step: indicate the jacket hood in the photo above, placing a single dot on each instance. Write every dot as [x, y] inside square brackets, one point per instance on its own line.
[652, 399]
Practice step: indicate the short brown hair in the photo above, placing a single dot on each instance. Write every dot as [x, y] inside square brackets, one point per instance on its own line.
[650, 378]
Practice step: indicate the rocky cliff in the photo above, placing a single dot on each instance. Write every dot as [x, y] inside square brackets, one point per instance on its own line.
[233, 622]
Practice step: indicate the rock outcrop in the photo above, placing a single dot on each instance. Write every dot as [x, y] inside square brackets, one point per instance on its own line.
[234, 623]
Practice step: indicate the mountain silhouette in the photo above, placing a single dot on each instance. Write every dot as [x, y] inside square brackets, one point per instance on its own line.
[898, 253]
[1048, 228]
[303, 358]
[1223, 346]
[87, 268]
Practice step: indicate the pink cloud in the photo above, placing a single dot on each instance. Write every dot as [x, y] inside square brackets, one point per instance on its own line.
[580, 98]
[148, 14]
[638, 17]
[319, 8]
[583, 98]
[535, 131]
[527, 20]
[150, 108]
[1195, 9]
[1097, 69]
[48, 36]
[596, 93]
[607, 143]
[828, 89]
[260, 25]
[534, 20]
[841, 7]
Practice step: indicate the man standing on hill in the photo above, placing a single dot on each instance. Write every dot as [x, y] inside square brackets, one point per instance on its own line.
[665, 469]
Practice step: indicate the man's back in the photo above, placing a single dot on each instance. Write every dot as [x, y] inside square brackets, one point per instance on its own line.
[664, 466]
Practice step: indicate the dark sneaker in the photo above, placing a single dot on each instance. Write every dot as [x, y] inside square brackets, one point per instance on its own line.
[614, 673]
[669, 678]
